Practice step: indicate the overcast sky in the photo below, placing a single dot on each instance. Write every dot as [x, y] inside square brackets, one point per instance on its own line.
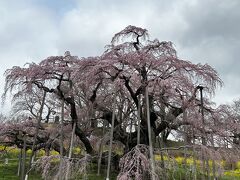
[203, 31]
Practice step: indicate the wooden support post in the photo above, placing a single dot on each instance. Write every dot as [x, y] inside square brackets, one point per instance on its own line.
[36, 134]
[204, 142]
[24, 158]
[20, 162]
[152, 162]
[70, 150]
[111, 140]
[61, 141]
[139, 119]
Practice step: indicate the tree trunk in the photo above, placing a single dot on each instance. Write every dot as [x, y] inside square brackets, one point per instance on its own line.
[78, 130]
[84, 140]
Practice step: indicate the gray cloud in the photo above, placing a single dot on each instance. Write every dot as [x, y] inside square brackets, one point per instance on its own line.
[212, 36]
[212, 19]
[27, 33]
[205, 31]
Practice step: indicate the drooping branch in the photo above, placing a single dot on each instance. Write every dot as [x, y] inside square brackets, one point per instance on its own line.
[130, 90]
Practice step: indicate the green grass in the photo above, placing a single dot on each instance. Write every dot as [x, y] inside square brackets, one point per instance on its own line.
[9, 171]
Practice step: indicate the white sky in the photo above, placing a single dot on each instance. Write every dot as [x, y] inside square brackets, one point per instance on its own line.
[203, 31]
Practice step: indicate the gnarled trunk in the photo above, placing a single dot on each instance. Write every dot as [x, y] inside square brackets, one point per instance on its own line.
[82, 136]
